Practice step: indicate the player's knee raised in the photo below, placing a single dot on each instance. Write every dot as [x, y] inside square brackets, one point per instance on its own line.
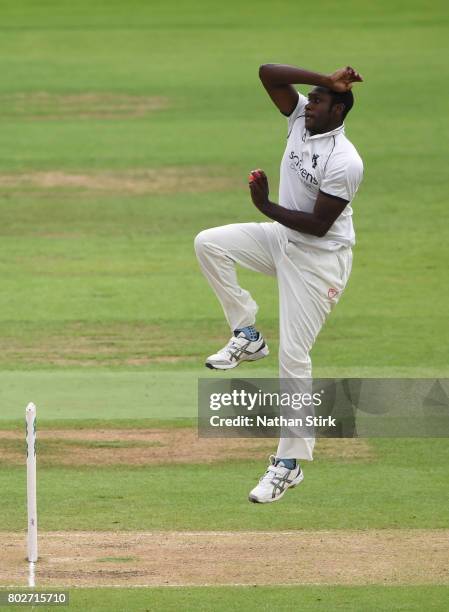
[201, 242]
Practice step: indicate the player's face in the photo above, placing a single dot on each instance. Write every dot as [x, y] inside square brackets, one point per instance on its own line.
[319, 112]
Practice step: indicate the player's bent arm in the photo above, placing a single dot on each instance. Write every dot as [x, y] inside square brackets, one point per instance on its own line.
[278, 80]
[327, 209]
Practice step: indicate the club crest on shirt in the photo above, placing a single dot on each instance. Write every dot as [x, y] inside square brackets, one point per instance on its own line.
[314, 160]
[305, 175]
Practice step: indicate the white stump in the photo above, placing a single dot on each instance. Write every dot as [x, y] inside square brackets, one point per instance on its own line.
[31, 481]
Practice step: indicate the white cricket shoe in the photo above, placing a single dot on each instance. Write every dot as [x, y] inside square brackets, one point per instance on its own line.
[238, 349]
[275, 482]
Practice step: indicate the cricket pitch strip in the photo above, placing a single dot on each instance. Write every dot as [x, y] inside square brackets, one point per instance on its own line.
[78, 558]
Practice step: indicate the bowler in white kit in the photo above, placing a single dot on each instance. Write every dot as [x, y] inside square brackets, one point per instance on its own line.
[307, 244]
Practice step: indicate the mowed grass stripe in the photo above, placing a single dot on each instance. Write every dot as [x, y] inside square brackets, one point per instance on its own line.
[410, 598]
[401, 483]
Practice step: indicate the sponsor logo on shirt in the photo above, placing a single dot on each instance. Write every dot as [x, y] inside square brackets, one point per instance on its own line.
[305, 175]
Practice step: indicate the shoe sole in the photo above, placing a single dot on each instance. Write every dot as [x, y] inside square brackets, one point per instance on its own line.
[261, 353]
[255, 500]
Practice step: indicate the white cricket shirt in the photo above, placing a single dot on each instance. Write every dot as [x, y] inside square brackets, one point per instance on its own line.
[323, 162]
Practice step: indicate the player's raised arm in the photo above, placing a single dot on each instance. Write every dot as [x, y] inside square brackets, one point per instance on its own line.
[278, 80]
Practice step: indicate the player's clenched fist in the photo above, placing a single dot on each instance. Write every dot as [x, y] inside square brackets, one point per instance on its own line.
[258, 186]
[342, 79]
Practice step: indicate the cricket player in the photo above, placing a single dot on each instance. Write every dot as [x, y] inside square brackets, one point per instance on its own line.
[307, 244]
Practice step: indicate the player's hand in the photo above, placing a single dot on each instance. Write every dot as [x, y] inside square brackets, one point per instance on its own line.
[341, 80]
[258, 186]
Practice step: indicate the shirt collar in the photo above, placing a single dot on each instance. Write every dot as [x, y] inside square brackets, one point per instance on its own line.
[339, 130]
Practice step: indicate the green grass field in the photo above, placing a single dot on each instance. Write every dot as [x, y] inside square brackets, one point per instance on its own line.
[400, 484]
[128, 127]
[222, 599]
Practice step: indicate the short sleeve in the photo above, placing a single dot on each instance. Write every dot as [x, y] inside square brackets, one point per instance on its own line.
[299, 110]
[342, 176]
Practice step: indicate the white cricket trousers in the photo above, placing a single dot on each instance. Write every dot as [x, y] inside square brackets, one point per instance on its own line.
[310, 282]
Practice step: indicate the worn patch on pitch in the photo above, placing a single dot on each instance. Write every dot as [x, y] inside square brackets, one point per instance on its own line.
[344, 557]
[51, 106]
[155, 447]
[97, 344]
[142, 181]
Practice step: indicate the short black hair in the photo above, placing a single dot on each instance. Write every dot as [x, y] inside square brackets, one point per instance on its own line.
[343, 97]
[340, 97]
